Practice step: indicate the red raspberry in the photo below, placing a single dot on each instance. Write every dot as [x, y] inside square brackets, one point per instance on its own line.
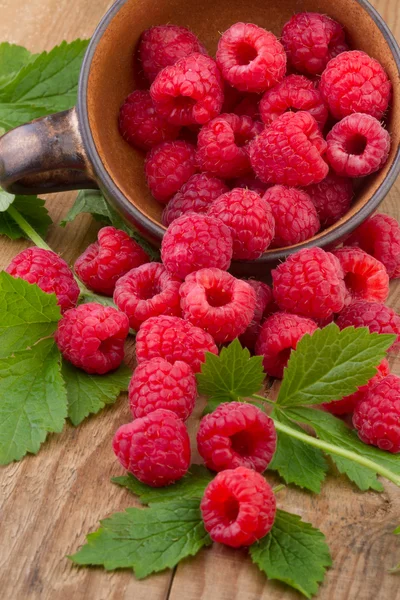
[195, 195]
[289, 151]
[251, 59]
[293, 92]
[331, 197]
[250, 182]
[380, 236]
[158, 384]
[310, 283]
[164, 45]
[279, 335]
[249, 219]
[264, 306]
[377, 317]
[365, 277]
[217, 302]
[295, 215]
[357, 146]
[311, 40]
[194, 241]
[155, 448]
[92, 336]
[105, 261]
[167, 167]
[173, 339]
[238, 507]
[148, 291]
[377, 416]
[189, 92]
[49, 271]
[248, 106]
[353, 82]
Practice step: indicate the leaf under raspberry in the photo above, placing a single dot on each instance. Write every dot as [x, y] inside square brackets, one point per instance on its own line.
[33, 210]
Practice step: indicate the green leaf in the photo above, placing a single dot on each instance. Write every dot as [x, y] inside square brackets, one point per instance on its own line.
[33, 210]
[293, 552]
[33, 400]
[331, 364]
[146, 540]
[5, 200]
[12, 59]
[92, 297]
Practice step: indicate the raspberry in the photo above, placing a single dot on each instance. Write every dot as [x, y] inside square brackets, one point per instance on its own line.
[194, 241]
[380, 236]
[105, 261]
[377, 416]
[293, 92]
[250, 182]
[248, 106]
[331, 197]
[311, 40]
[167, 167]
[49, 271]
[92, 336]
[164, 45]
[251, 59]
[264, 306]
[310, 283]
[158, 384]
[249, 219]
[353, 82]
[217, 302]
[189, 92]
[195, 195]
[173, 339]
[279, 335]
[238, 507]
[295, 215]
[289, 151]
[365, 277]
[148, 291]
[357, 146]
[155, 448]
[377, 317]
[222, 145]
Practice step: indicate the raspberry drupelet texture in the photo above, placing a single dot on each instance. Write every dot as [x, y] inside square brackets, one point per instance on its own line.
[331, 197]
[49, 271]
[250, 58]
[365, 277]
[218, 303]
[196, 241]
[249, 182]
[238, 507]
[288, 152]
[147, 291]
[174, 339]
[379, 318]
[155, 448]
[92, 336]
[108, 259]
[158, 384]
[264, 306]
[168, 166]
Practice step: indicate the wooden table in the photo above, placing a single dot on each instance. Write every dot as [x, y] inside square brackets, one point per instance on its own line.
[50, 501]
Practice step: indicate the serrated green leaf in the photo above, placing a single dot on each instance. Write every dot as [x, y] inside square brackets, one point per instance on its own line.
[33, 210]
[5, 200]
[92, 297]
[12, 59]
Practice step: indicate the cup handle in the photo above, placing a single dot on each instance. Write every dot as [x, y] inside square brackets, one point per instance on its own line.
[45, 156]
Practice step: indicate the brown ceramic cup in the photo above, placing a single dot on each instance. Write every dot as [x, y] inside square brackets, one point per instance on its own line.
[82, 148]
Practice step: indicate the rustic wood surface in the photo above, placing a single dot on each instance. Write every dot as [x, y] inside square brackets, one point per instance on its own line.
[50, 501]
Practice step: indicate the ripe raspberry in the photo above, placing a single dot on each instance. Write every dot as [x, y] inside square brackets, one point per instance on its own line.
[148, 291]
[217, 302]
[167, 167]
[194, 241]
[289, 151]
[310, 283]
[311, 40]
[264, 306]
[105, 261]
[377, 416]
[251, 59]
[248, 106]
[295, 215]
[331, 197]
[49, 271]
[222, 145]
[92, 336]
[357, 146]
[158, 384]
[250, 182]
[365, 277]
[173, 339]
[293, 92]
[195, 195]
[189, 92]
[238, 507]
[155, 448]
[279, 335]
[377, 317]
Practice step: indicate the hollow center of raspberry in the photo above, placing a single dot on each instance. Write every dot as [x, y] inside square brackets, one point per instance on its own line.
[241, 139]
[148, 290]
[245, 53]
[106, 346]
[243, 443]
[184, 103]
[356, 144]
[231, 509]
[284, 355]
[218, 297]
[355, 284]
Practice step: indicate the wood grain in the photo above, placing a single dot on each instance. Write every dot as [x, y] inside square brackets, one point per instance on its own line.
[50, 501]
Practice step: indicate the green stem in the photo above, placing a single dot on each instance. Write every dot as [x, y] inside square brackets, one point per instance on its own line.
[263, 399]
[26, 228]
